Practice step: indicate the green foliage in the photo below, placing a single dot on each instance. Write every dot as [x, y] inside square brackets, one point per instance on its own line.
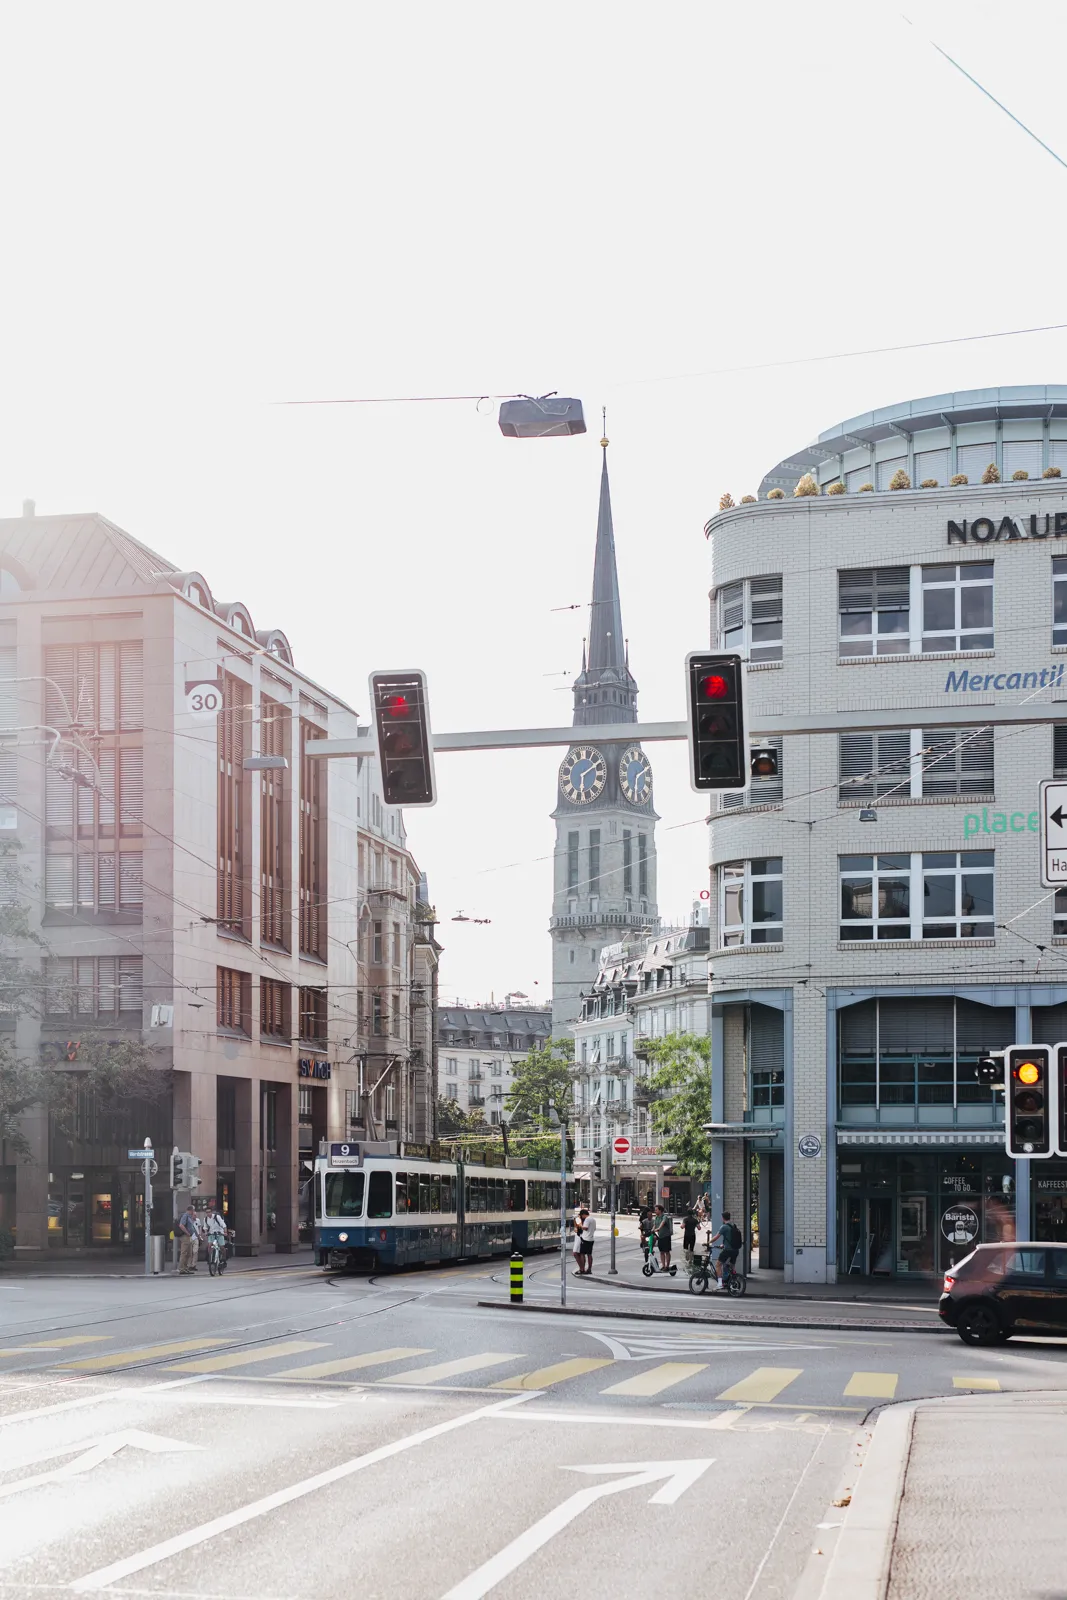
[681, 1081]
[453, 1120]
[541, 1082]
[22, 1084]
[111, 1071]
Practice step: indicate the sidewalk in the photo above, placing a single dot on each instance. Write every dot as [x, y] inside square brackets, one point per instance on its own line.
[955, 1497]
[95, 1266]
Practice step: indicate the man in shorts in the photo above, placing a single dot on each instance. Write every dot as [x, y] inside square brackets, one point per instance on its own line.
[585, 1258]
[730, 1241]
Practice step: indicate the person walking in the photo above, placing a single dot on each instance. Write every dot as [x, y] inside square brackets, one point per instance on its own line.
[689, 1238]
[189, 1240]
[664, 1232]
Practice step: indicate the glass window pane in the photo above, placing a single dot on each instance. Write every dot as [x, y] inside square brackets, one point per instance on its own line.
[856, 897]
[977, 894]
[976, 606]
[893, 621]
[380, 1195]
[855, 622]
[939, 610]
[769, 867]
[939, 895]
[894, 897]
[344, 1194]
[767, 902]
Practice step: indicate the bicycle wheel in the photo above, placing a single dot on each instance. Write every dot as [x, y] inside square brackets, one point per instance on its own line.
[698, 1283]
[211, 1262]
[222, 1262]
[738, 1283]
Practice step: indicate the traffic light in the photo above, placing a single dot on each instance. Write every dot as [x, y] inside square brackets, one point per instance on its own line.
[184, 1170]
[405, 748]
[990, 1071]
[598, 1163]
[718, 755]
[763, 762]
[1030, 1109]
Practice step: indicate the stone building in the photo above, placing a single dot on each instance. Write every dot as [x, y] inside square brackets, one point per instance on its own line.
[479, 1047]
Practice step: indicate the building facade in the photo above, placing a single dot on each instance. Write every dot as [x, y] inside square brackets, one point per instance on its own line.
[479, 1048]
[879, 914]
[259, 928]
[604, 864]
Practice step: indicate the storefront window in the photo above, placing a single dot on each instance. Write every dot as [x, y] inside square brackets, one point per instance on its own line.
[1049, 1199]
[919, 1211]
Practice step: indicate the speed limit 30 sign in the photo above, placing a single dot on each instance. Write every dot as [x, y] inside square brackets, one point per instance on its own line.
[203, 698]
[620, 1148]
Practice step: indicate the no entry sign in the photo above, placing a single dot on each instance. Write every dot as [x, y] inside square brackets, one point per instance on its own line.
[621, 1148]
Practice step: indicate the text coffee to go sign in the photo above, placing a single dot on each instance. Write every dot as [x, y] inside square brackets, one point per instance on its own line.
[621, 1148]
[203, 699]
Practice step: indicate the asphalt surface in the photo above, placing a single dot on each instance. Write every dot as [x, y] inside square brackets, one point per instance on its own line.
[290, 1433]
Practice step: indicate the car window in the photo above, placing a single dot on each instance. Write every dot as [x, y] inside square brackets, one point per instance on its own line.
[1025, 1264]
[1058, 1259]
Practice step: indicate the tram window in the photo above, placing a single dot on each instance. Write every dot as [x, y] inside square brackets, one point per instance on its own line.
[401, 1193]
[481, 1198]
[534, 1192]
[435, 1194]
[450, 1203]
[516, 1195]
[424, 1194]
[572, 1196]
[318, 1197]
[380, 1195]
[344, 1194]
[553, 1195]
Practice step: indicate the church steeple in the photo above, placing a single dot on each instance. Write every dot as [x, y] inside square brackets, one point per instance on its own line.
[605, 690]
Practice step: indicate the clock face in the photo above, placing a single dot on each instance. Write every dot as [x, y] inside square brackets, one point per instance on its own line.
[635, 776]
[582, 775]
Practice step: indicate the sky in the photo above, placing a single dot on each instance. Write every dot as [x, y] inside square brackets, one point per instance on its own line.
[211, 210]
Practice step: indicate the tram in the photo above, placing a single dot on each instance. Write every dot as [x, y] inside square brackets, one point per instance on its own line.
[376, 1208]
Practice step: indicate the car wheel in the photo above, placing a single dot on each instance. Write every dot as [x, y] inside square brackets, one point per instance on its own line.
[979, 1324]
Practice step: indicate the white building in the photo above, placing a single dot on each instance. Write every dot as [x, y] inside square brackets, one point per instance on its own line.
[479, 1048]
[879, 915]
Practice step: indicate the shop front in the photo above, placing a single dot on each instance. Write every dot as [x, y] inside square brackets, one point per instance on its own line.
[95, 1208]
[1048, 1200]
[914, 1212]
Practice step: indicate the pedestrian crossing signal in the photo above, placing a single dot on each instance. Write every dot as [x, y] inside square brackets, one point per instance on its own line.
[405, 748]
[718, 754]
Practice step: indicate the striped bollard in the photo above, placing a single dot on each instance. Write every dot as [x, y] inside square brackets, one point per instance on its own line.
[516, 1279]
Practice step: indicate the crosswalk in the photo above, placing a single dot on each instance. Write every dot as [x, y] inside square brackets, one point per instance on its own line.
[634, 1367]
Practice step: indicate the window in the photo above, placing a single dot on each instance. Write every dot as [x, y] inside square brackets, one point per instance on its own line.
[572, 861]
[886, 470]
[766, 1058]
[344, 1193]
[749, 615]
[972, 459]
[233, 1000]
[875, 608]
[873, 764]
[932, 464]
[376, 945]
[933, 895]
[274, 1009]
[274, 808]
[313, 1026]
[594, 861]
[627, 861]
[921, 763]
[474, 1069]
[78, 988]
[451, 1065]
[1020, 455]
[9, 718]
[451, 1091]
[1059, 599]
[920, 1050]
[642, 866]
[958, 607]
[396, 944]
[99, 686]
[496, 1068]
[312, 847]
[760, 791]
[957, 761]
[353, 1108]
[750, 901]
[233, 805]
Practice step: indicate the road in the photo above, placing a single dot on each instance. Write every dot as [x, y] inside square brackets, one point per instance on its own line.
[287, 1434]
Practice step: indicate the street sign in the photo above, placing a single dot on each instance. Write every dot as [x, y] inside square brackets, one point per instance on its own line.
[1053, 809]
[142, 1153]
[621, 1148]
[203, 699]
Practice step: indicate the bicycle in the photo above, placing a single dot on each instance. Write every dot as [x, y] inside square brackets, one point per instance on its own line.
[733, 1282]
[216, 1254]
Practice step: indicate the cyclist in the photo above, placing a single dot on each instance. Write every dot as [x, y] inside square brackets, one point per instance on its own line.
[730, 1242]
[215, 1228]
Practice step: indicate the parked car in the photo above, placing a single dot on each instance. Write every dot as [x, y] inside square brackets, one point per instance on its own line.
[1002, 1289]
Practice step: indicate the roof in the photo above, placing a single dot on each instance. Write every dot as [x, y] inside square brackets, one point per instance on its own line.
[535, 1019]
[605, 666]
[78, 551]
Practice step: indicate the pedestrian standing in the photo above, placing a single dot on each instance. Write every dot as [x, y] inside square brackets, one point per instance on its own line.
[189, 1238]
[664, 1231]
[689, 1238]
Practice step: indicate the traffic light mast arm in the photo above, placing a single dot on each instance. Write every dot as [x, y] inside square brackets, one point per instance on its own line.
[763, 727]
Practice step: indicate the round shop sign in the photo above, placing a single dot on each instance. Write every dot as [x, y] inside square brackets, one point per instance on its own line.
[810, 1145]
[959, 1224]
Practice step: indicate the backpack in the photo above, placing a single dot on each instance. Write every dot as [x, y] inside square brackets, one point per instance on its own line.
[732, 1236]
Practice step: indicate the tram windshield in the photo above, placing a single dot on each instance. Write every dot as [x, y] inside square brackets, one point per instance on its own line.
[344, 1194]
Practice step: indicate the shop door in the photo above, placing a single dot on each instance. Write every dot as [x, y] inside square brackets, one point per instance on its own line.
[868, 1235]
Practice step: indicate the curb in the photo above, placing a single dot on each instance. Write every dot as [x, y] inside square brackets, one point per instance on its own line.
[130, 1277]
[859, 1566]
[766, 1295]
[727, 1321]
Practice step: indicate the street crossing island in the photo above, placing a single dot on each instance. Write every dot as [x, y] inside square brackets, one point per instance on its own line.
[965, 682]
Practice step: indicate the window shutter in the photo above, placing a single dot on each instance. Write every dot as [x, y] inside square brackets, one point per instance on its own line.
[976, 761]
[892, 758]
[766, 597]
[107, 791]
[892, 588]
[1057, 454]
[106, 993]
[106, 710]
[85, 688]
[932, 464]
[60, 698]
[960, 761]
[131, 880]
[86, 978]
[105, 873]
[59, 881]
[58, 799]
[886, 469]
[857, 476]
[86, 795]
[131, 684]
[1021, 455]
[9, 718]
[732, 606]
[855, 589]
[766, 1039]
[858, 1028]
[972, 459]
[1059, 750]
[910, 1027]
[86, 891]
[130, 993]
[985, 1027]
[856, 761]
[131, 788]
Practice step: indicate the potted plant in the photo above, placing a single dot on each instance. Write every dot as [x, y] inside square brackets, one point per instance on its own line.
[1052, 472]
[726, 501]
[928, 483]
[776, 494]
[805, 486]
[960, 477]
[865, 488]
[836, 488]
[991, 473]
[1020, 476]
[748, 499]
[900, 480]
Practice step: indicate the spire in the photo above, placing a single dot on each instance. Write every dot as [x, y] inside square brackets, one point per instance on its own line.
[605, 691]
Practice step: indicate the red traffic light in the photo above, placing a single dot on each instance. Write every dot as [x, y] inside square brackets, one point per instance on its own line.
[397, 705]
[714, 687]
[405, 744]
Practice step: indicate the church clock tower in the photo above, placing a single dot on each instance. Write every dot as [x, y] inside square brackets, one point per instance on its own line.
[604, 876]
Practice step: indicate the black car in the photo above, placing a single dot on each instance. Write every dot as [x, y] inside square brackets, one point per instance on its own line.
[1001, 1289]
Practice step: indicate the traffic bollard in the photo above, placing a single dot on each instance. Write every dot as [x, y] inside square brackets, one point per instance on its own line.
[516, 1279]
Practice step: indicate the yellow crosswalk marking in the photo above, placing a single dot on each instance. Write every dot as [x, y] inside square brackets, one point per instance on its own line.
[873, 1385]
[244, 1358]
[976, 1383]
[764, 1384]
[151, 1352]
[656, 1379]
[373, 1358]
[545, 1377]
[451, 1369]
[57, 1344]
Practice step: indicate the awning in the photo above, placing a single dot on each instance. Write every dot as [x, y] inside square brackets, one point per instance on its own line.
[992, 1139]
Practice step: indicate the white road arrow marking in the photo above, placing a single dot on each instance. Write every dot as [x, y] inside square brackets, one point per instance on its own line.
[675, 1476]
[634, 1347]
[93, 1452]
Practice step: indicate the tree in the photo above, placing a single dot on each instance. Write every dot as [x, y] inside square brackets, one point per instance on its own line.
[452, 1119]
[542, 1083]
[113, 1072]
[22, 1084]
[681, 1083]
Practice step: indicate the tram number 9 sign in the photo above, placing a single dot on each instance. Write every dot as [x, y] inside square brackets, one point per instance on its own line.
[346, 1155]
[204, 699]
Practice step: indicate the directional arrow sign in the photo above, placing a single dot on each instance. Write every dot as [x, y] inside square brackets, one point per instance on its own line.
[1053, 808]
[675, 1477]
[93, 1451]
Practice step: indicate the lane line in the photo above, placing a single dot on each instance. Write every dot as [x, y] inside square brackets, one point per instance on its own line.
[152, 1352]
[244, 1358]
[448, 1369]
[658, 1378]
[872, 1385]
[152, 1390]
[103, 1577]
[55, 1344]
[559, 1373]
[721, 1421]
[373, 1358]
[976, 1383]
[766, 1383]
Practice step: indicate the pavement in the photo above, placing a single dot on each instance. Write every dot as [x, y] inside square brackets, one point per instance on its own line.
[293, 1433]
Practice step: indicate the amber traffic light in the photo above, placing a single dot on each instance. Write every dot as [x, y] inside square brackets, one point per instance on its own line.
[1030, 1103]
[718, 756]
[405, 747]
